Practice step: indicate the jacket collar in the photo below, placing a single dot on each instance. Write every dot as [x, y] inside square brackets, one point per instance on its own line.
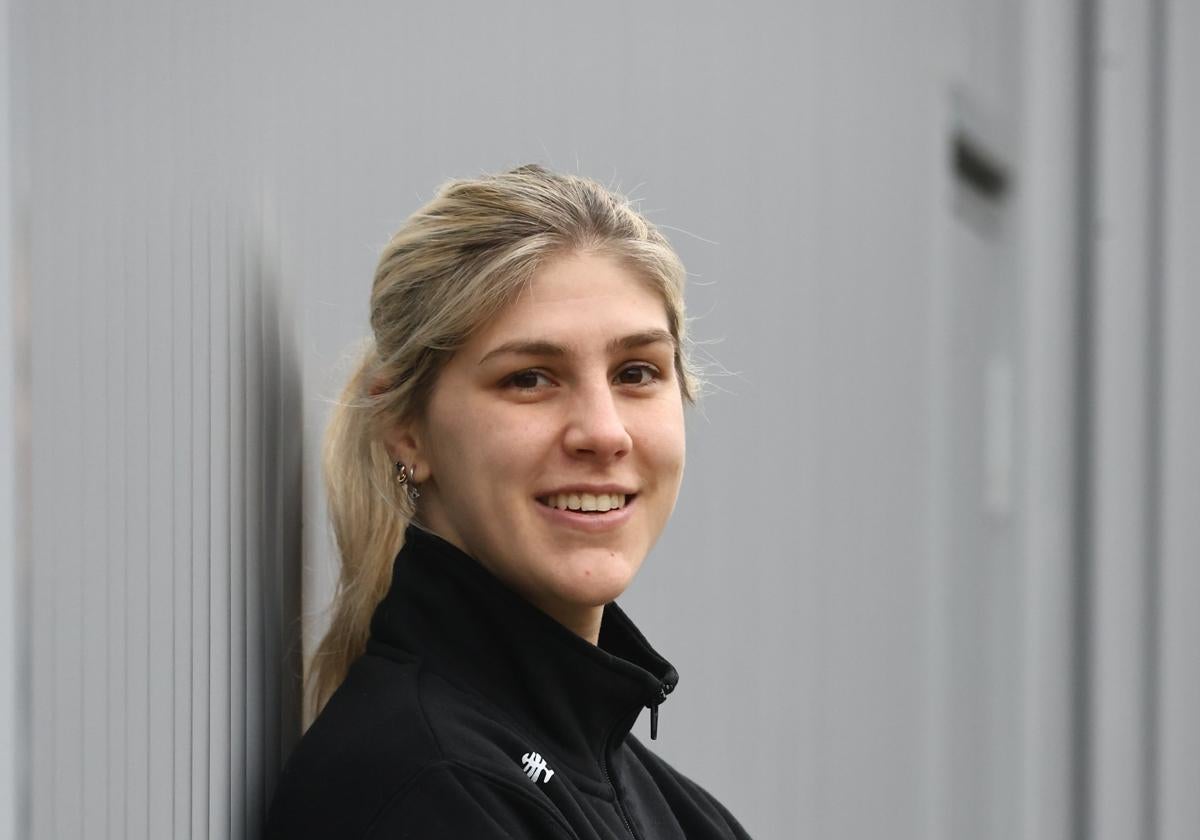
[466, 625]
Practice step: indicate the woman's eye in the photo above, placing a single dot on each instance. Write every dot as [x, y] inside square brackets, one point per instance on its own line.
[527, 380]
[637, 375]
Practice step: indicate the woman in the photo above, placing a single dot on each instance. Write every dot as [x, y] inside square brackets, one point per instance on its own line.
[516, 432]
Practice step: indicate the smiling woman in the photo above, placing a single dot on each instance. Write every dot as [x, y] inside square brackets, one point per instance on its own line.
[568, 394]
[499, 467]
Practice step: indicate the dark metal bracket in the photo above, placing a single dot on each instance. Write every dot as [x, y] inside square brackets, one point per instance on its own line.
[978, 168]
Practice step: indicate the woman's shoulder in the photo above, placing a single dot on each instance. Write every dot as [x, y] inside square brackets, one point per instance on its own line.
[394, 740]
[368, 742]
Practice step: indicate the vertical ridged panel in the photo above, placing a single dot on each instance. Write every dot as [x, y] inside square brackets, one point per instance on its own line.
[165, 435]
[240, 450]
[1179, 621]
[62, 305]
[164, 258]
[201, 290]
[41, 86]
[116, 558]
[1125, 408]
[183, 480]
[220, 457]
[252, 661]
[99, 260]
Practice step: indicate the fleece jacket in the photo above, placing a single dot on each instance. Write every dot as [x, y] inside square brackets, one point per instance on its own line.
[473, 715]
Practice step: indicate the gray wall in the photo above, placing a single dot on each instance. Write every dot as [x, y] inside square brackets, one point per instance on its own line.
[1177, 753]
[877, 586]
[1142, 748]
[12, 788]
[163, 579]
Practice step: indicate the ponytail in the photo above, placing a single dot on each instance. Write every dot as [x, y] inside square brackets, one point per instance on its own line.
[368, 517]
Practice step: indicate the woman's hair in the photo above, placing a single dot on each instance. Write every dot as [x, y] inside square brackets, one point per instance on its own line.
[454, 264]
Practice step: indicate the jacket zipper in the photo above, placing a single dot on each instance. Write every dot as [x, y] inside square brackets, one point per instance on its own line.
[611, 784]
[663, 690]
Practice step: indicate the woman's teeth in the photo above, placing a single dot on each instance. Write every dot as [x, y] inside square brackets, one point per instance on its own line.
[598, 503]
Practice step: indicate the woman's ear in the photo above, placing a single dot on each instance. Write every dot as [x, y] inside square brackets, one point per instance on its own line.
[403, 443]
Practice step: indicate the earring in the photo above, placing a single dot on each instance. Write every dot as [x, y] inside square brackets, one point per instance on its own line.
[403, 477]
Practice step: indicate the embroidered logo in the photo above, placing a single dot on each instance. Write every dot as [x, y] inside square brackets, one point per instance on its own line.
[535, 766]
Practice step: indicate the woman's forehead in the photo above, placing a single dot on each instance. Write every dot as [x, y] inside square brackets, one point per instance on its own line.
[575, 303]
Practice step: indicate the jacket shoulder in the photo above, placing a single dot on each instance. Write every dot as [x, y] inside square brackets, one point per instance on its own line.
[369, 741]
[395, 739]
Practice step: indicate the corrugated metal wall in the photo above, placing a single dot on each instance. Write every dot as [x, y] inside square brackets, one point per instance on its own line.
[166, 526]
[1177, 727]
[166, 434]
[1140, 759]
[13, 471]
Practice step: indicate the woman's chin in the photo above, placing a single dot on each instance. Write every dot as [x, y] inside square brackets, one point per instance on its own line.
[594, 578]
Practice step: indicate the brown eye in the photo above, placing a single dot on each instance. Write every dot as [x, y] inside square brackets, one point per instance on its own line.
[527, 380]
[637, 375]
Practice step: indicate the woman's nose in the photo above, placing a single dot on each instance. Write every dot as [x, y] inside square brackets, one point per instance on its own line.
[596, 428]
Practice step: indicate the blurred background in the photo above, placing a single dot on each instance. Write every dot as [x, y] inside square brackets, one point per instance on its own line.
[935, 568]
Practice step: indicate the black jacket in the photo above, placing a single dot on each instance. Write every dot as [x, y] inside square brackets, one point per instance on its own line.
[474, 715]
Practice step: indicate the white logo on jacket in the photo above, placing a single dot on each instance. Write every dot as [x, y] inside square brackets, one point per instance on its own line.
[535, 766]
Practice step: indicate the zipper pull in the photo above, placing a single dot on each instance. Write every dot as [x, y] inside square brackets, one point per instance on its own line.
[663, 690]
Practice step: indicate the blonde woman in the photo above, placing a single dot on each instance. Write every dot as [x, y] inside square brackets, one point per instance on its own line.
[498, 468]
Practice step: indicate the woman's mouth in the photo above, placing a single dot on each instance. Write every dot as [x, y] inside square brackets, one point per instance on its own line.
[588, 513]
[587, 502]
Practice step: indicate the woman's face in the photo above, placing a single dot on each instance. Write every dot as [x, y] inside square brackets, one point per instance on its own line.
[568, 399]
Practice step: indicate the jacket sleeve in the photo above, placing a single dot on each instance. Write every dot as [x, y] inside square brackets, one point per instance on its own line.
[455, 800]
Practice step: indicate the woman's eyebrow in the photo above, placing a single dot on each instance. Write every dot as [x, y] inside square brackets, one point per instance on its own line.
[641, 339]
[539, 347]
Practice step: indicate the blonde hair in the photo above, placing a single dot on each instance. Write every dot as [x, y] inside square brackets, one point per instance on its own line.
[454, 264]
